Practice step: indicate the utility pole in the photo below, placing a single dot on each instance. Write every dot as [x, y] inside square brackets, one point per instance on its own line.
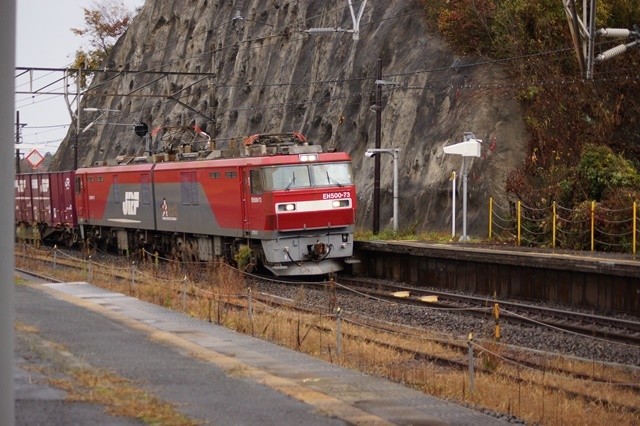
[583, 33]
[376, 176]
[394, 153]
[19, 127]
[77, 136]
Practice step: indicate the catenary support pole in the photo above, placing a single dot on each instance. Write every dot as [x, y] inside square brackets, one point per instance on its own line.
[376, 175]
[7, 177]
[395, 190]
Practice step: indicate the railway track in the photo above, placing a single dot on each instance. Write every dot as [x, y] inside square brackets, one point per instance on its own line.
[611, 329]
[456, 356]
[607, 328]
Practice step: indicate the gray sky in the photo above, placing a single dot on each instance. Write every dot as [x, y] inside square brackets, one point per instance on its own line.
[44, 40]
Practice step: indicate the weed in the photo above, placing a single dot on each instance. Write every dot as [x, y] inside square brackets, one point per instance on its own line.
[535, 396]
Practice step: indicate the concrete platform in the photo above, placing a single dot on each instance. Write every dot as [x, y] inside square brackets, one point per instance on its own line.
[214, 375]
[593, 280]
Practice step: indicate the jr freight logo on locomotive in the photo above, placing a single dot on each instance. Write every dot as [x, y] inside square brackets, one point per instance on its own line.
[131, 203]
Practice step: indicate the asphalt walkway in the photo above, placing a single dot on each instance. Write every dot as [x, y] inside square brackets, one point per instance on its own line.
[212, 374]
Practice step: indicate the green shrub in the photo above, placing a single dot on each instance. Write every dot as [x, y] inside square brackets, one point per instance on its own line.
[601, 170]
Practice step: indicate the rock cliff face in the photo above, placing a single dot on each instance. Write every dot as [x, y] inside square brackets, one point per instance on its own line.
[264, 73]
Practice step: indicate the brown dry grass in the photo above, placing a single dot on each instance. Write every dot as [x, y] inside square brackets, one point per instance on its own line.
[84, 383]
[537, 396]
[119, 396]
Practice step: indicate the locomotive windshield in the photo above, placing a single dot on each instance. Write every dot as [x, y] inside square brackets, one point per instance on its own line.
[307, 176]
[329, 174]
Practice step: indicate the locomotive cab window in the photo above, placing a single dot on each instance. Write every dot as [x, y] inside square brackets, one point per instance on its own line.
[332, 174]
[286, 177]
[306, 176]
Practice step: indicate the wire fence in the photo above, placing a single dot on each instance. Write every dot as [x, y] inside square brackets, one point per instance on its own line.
[217, 292]
[221, 282]
[589, 226]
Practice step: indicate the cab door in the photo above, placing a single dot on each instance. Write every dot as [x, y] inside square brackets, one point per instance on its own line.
[81, 194]
[246, 202]
[252, 200]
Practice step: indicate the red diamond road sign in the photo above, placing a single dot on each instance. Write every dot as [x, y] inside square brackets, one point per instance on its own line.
[34, 158]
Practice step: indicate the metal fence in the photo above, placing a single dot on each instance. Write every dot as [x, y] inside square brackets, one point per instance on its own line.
[589, 226]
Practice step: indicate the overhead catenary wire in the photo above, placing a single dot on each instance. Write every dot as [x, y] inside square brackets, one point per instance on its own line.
[491, 86]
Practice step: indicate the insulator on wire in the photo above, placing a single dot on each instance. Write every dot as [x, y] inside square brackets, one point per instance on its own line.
[618, 50]
[614, 32]
[323, 30]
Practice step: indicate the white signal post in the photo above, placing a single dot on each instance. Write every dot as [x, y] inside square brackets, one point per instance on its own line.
[453, 204]
[470, 147]
[394, 153]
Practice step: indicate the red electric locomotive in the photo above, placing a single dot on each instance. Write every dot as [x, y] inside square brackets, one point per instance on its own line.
[281, 202]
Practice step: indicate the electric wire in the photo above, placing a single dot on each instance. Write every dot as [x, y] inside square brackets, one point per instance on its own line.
[346, 80]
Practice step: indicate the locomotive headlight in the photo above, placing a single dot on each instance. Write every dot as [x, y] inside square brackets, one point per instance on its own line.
[340, 203]
[308, 157]
[286, 207]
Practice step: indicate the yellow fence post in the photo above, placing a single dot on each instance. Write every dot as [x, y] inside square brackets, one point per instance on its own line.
[490, 216]
[554, 224]
[496, 316]
[593, 224]
[634, 227]
[518, 222]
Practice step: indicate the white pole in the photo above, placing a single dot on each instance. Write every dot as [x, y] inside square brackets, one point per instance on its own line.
[453, 204]
[464, 200]
[395, 190]
[7, 229]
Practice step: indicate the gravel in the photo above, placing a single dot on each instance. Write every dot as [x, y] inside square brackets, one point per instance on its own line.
[458, 324]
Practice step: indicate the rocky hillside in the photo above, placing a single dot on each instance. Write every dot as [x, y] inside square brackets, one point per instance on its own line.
[190, 63]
